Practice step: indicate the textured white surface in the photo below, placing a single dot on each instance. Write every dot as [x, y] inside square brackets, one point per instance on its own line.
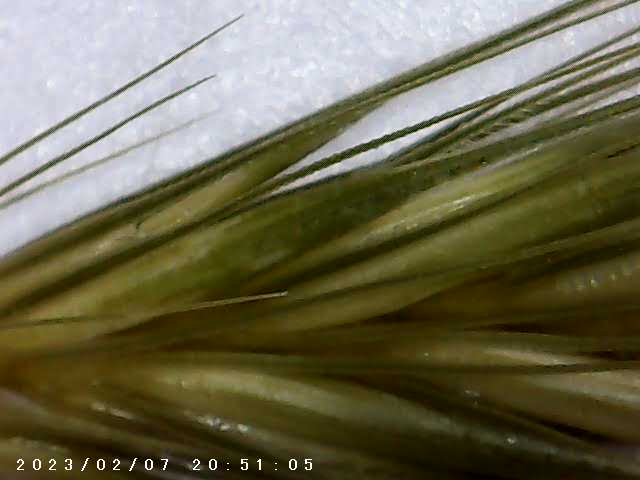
[284, 59]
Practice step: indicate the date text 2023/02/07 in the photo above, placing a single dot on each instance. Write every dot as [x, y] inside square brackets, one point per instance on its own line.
[39, 465]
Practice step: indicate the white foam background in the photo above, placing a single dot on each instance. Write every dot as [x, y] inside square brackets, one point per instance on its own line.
[284, 59]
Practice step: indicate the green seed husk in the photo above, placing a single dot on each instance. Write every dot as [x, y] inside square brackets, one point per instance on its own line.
[402, 320]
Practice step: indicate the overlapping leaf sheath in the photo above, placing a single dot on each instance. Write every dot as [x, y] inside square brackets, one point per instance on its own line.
[99, 241]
